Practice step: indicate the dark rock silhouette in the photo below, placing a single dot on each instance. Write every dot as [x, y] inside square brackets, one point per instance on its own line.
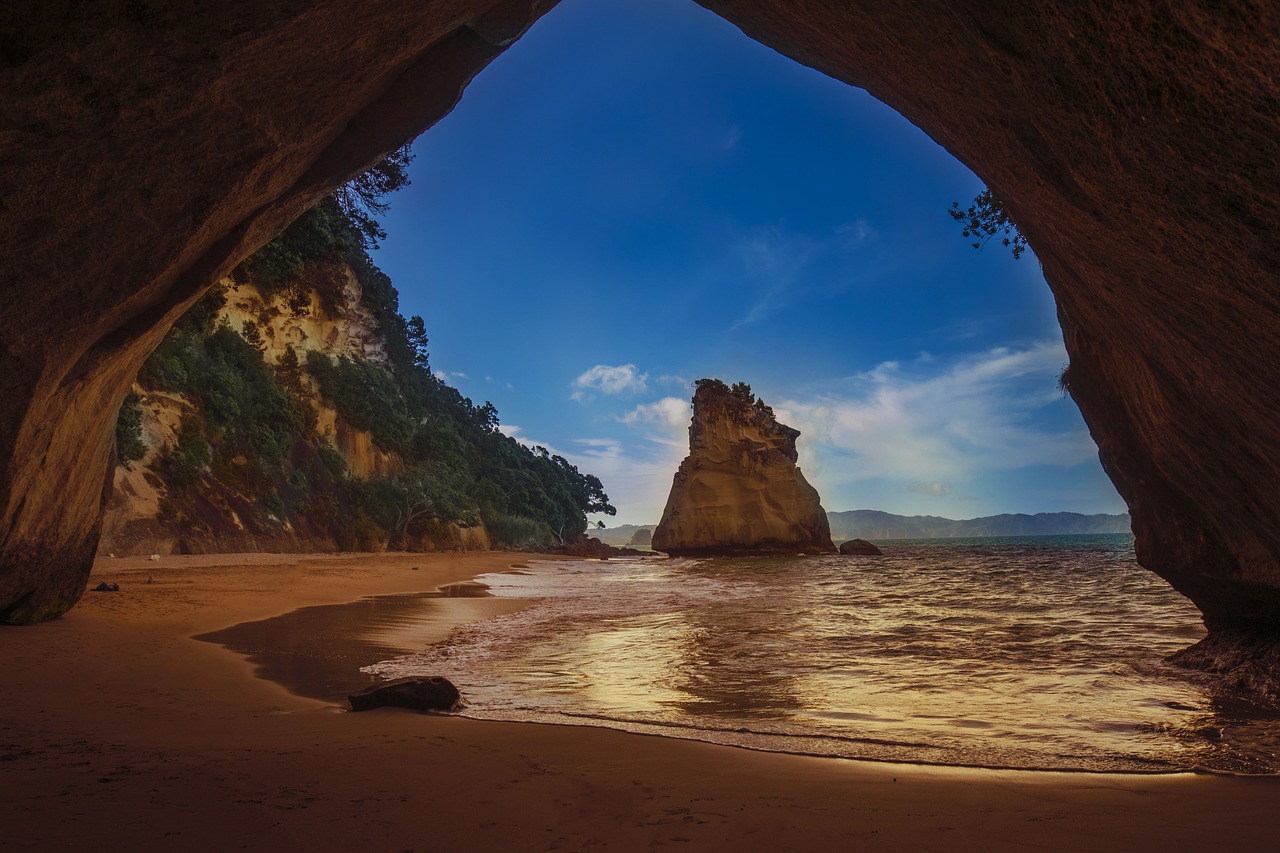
[859, 546]
[432, 693]
[1135, 145]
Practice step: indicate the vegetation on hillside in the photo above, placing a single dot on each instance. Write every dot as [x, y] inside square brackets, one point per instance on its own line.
[130, 445]
[255, 424]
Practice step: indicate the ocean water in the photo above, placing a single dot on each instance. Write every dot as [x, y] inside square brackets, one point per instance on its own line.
[1028, 652]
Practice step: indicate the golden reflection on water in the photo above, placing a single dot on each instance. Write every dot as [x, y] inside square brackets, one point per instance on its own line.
[998, 653]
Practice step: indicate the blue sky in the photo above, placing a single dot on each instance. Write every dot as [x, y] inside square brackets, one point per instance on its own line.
[636, 195]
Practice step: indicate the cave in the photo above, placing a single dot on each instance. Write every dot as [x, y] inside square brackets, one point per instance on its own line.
[149, 147]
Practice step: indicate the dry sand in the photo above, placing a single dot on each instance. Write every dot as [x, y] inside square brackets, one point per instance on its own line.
[119, 732]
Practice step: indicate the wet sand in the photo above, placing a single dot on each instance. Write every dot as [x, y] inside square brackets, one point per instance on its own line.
[120, 731]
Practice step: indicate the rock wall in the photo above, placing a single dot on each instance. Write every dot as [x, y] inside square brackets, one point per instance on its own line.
[150, 147]
[1138, 146]
[218, 515]
[739, 490]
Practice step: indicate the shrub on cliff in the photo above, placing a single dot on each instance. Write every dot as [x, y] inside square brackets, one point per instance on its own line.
[366, 396]
[986, 219]
[256, 425]
[129, 442]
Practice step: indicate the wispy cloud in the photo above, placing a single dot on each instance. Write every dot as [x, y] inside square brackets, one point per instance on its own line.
[857, 232]
[732, 137]
[772, 261]
[444, 376]
[610, 379]
[931, 425]
[779, 264]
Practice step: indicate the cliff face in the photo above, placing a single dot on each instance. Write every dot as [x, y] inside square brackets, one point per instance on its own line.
[1135, 143]
[739, 490]
[148, 514]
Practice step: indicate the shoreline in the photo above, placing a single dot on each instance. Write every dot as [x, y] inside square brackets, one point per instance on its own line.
[119, 727]
[275, 647]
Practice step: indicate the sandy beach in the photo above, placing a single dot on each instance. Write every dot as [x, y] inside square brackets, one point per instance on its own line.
[119, 731]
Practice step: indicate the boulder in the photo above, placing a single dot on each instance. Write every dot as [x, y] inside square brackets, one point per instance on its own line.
[430, 693]
[859, 546]
[739, 492]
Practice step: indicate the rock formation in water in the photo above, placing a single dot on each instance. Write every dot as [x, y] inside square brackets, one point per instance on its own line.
[149, 149]
[739, 490]
[641, 539]
[859, 547]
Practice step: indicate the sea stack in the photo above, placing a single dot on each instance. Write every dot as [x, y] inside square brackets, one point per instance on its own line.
[739, 492]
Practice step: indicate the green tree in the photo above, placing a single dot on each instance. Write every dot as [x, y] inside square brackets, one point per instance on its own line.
[987, 218]
[363, 197]
[130, 445]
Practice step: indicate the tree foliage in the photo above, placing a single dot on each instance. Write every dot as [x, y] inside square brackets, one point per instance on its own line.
[986, 219]
[259, 420]
[364, 196]
[739, 390]
[130, 446]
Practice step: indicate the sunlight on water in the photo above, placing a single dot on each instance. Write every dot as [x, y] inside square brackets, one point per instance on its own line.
[1042, 652]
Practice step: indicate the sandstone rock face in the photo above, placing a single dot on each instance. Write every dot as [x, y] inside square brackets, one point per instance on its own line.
[739, 490]
[150, 147]
[219, 515]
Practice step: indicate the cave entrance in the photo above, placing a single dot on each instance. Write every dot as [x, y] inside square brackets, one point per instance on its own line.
[1136, 146]
[644, 196]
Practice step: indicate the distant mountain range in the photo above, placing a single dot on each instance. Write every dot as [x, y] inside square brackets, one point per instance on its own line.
[874, 524]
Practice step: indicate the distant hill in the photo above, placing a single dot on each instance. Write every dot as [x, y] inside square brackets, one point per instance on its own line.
[873, 524]
[620, 536]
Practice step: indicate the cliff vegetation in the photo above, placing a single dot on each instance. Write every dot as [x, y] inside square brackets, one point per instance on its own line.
[294, 408]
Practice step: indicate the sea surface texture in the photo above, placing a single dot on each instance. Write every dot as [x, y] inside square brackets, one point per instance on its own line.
[1030, 652]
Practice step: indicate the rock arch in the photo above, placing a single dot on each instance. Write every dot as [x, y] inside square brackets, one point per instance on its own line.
[148, 147]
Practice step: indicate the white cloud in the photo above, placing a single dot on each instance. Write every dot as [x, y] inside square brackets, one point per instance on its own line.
[929, 426]
[672, 413]
[512, 431]
[636, 476]
[607, 379]
[444, 376]
[938, 490]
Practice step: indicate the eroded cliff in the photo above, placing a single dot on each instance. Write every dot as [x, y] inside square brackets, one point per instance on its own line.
[739, 491]
[1135, 144]
[150, 511]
